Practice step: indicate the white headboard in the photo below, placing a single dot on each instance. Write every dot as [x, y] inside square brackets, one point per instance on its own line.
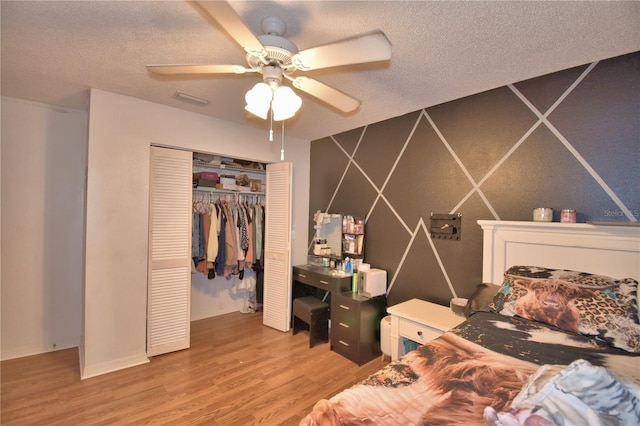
[598, 249]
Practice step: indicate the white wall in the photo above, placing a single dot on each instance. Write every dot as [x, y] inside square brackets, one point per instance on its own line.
[121, 130]
[43, 174]
[44, 158]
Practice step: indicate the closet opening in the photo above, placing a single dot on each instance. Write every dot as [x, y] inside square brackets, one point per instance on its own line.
[228, 268]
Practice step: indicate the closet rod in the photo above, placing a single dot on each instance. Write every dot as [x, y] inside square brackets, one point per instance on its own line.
[228, 191]
[208, 196]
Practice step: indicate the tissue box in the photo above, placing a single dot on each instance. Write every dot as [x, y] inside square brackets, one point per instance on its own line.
[227, 186]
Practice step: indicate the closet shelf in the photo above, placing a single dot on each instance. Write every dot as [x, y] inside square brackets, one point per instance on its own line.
[199, 163]
[225, 191]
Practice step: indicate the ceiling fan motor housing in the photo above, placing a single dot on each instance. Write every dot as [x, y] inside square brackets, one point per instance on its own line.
[272, 75]
[279, 52]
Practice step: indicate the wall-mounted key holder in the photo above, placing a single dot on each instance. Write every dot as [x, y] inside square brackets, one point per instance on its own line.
[446, 226]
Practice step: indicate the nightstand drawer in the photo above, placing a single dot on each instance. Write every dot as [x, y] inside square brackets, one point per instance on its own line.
[420, 321]
[418, 332]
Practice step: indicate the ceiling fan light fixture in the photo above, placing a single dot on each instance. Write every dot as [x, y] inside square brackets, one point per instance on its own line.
[259, 100]
[285, 103]
[257, 111]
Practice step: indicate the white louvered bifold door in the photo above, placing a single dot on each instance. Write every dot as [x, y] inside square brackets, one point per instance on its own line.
[277, 248]
[169, 279]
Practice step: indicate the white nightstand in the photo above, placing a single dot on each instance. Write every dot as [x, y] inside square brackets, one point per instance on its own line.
[419, 321]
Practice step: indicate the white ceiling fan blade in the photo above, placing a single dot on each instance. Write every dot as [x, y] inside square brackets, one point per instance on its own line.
[328, 94]
[369, 47]
[197, 69]
[229, 19]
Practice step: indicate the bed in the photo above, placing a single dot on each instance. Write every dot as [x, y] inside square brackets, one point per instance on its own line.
[556, 342]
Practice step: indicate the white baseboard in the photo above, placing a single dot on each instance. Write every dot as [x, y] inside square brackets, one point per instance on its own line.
[34, 350]
[88, 371]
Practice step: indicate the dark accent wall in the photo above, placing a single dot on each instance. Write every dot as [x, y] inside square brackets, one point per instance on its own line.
[570, 139]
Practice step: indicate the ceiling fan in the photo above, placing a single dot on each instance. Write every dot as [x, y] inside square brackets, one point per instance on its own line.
[276, 57]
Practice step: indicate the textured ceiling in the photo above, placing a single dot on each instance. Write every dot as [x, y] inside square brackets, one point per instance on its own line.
[54, 51]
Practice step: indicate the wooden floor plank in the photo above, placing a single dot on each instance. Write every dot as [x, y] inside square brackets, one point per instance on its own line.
[236, 372]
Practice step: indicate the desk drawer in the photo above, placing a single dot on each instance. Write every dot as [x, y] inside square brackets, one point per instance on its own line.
[305, 277]
[345, 329]
[345, 318]
[320, 280]
[417, 332]
[344, 346]
[311, 278]
[323, 282]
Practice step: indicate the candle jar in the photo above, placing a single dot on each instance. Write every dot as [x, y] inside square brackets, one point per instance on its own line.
[543, 214]
[568, 216]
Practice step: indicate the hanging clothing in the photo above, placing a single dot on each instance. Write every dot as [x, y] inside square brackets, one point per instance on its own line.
[212, 242]
[249, 258]
[222, 237]
[227, 236]
[244, 235]
[195, 236]
[239, 225]
[205, 220]
[259, 231]
[202, 244]
[231, 244]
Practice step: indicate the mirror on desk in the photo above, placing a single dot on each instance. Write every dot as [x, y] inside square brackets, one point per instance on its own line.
[328, 239]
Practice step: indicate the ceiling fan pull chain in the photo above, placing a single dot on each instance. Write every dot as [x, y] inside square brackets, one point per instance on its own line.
[271, 127]
[282, 148]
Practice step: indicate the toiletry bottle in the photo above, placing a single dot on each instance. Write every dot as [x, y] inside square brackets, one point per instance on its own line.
[354, 279]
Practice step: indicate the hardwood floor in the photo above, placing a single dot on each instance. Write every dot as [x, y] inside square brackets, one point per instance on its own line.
[237, 372]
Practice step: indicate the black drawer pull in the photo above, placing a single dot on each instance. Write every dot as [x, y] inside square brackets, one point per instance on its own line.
[324, 282]
[344, 325]
[420, 333]
[343, 343]
[345, 307]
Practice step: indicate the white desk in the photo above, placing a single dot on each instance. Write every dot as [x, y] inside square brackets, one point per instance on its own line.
[419, 321]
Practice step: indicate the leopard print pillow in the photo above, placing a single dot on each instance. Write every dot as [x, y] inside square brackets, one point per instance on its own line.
[577, 302]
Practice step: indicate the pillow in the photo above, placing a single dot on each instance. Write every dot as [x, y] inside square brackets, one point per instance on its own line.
[480, 300]
[578, 302]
